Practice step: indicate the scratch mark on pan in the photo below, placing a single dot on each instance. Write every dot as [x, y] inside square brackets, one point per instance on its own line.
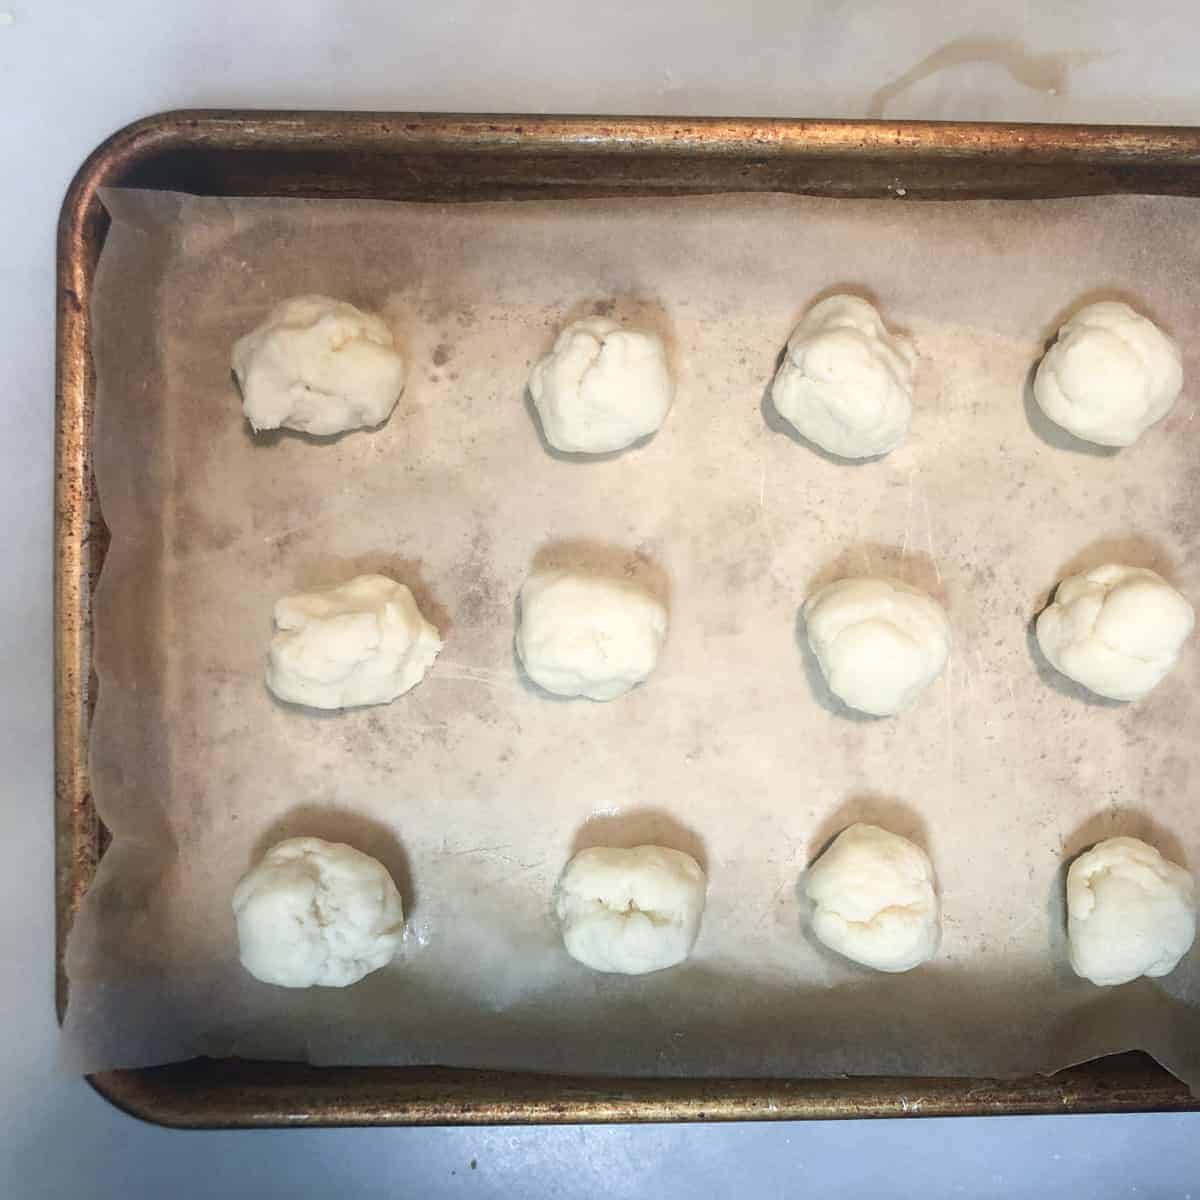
[486, 678]
[478, 672]
[492, 851]
[929, 537]
[908, 512]
[949, 694]
[769, 910]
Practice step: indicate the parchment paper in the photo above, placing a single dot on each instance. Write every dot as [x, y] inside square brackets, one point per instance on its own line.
[474, 788]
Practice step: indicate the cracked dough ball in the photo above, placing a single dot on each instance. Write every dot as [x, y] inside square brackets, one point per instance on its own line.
[601, 387]
[317, 914]
[1130, 912]
[588, 635]
[320, 366]
[880, 643]
[1116, 630]
[1109, 376]
[630, 911]
[364, 642]
[846, 383]
[874, 900]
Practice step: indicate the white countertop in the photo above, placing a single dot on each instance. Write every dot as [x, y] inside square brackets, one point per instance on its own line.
[70, 73]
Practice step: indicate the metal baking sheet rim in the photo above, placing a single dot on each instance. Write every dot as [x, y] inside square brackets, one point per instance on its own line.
[446, 157]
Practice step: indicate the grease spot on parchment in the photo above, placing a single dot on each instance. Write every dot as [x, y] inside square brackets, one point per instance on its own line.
[1049, 73]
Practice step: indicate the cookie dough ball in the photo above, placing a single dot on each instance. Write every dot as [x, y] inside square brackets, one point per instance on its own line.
[630, 911]
[880, 643]
[582, 634]
[364, 642]
[874, 901]
[320, 366]
[1116, 630]
[601, 387]
[1130, 912]
[317, 914]
[846, 383]
[1109, 376]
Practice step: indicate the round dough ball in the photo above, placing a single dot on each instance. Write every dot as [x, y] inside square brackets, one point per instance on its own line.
[320, 366]
[1116, 630]
[1130, 912]
[364, 642]
[874, 900]
[880, 643]
[1109, 376]
[846, 383]
[630, 911]
[588, 635]
[601, 387]
[317, 914]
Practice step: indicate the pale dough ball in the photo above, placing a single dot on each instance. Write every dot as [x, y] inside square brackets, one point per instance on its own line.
[320, 366]
[601, 387]
[630, 911]
[874, 901]
[880, 643]
[1117, 630]
[364, 642]
[1130, 912]
[317, 914]
[846, 383]
[582, 634]
[1110, 375]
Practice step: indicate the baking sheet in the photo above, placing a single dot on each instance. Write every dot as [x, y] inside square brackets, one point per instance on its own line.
[473, 788]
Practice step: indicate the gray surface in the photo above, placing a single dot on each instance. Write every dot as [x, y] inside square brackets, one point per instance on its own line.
[130, 57]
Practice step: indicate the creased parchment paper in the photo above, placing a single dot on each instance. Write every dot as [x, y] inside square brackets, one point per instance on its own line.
[474, 789]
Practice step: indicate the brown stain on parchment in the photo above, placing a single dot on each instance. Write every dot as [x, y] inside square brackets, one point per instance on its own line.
[480, 595]
[199, 531]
